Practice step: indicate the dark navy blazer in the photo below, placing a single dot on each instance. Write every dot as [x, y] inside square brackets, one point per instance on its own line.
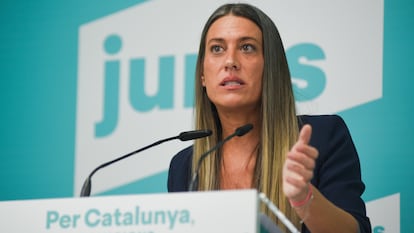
[337, 173]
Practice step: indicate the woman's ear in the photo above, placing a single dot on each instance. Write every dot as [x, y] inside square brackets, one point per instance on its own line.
[203, 81]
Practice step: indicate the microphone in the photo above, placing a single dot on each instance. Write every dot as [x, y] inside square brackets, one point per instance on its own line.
[272, 207]
[184, 136]
[239, 132]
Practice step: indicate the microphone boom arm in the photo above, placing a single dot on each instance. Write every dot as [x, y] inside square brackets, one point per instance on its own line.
[184, 136]
[239, 132]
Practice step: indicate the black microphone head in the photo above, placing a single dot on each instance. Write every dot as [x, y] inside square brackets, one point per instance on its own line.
[243, 130]
[195, 134]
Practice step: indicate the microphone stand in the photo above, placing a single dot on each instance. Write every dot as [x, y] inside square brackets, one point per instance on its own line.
[184, 136]
[238, 132]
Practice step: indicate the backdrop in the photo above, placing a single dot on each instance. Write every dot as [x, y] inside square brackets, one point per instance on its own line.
[83, 82]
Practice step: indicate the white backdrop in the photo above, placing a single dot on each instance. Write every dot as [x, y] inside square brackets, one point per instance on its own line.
[334, 48]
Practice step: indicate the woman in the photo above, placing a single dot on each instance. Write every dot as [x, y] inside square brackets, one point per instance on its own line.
[242, 77]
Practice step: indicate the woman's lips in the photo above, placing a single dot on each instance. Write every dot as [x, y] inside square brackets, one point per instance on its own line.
[231, 82]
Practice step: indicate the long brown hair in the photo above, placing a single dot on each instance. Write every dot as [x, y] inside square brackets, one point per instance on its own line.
[279, 128]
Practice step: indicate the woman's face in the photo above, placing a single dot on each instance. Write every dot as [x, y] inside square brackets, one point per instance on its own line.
[233, 63]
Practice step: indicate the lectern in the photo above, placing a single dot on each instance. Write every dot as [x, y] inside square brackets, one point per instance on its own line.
[193, 212]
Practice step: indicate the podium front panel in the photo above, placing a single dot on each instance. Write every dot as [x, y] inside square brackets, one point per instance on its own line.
[215, 211]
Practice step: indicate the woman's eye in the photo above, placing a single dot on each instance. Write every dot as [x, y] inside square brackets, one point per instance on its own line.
[216, 49]
[248, 48]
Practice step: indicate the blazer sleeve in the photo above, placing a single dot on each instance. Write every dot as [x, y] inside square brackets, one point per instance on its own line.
[179, 173]
[337, 172]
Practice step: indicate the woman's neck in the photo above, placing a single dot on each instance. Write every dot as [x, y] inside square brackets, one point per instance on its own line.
[238, 164]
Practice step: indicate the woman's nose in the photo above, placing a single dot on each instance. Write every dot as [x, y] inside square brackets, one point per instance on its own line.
[232, 65]
[231, 62]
